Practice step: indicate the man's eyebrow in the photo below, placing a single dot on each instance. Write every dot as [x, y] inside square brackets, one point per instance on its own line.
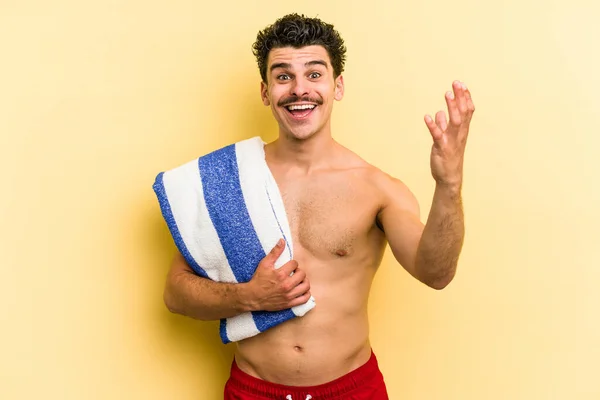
[316, 62]
[280, 65]
[289, 66]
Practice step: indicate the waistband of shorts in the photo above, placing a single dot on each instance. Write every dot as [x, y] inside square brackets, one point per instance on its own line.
[328, 390]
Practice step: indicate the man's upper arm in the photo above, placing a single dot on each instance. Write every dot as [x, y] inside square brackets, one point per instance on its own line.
[400, 218]
[179, 266]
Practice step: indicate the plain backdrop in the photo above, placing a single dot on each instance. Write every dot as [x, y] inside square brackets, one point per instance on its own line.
[97, 97]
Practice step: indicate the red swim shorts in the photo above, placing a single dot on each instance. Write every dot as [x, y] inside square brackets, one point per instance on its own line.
[364, 383]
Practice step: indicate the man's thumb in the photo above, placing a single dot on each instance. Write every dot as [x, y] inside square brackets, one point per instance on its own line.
[274, 254]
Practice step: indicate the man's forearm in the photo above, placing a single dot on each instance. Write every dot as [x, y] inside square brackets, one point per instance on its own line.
[442, 239]
[200, 298]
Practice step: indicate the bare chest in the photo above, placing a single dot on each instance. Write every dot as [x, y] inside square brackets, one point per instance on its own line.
[329, 217]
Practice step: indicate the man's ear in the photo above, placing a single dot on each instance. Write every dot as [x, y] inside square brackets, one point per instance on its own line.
[263, 94]
[339, 88]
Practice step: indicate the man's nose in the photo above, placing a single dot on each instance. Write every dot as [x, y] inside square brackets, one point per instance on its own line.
[300, 87]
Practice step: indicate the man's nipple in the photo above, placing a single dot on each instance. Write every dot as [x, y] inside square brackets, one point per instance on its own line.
[341, 252]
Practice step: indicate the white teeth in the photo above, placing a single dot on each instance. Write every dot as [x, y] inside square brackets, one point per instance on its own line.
[301, 107]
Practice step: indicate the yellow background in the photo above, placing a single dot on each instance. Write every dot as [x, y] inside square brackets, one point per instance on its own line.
[97, 97]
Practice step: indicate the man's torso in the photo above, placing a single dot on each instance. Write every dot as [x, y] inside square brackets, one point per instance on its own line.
[332, 215]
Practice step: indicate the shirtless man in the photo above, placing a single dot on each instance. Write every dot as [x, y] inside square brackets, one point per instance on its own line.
[342, 213]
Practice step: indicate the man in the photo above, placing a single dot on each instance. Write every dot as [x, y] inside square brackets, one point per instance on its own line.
[342, 213]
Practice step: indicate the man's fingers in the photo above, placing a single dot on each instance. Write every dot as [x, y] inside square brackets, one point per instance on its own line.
[289, 267]
[299, 300]
[299, 276]
[459, 95]
[453, 112]
[434, 129]
[299, 290]
[440, 120]
[274, 254]
[470, 104]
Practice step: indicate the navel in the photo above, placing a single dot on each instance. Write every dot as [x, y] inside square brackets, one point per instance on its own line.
[299, 349]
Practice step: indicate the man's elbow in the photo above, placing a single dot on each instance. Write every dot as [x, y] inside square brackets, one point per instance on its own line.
[440, 282]
[176, 304]
[439, 285]
[171, 302]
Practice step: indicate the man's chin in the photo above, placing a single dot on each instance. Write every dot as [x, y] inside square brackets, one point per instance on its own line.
[300, 134]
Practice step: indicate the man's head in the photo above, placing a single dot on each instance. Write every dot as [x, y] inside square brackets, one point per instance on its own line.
[298, 31]
[300, 61]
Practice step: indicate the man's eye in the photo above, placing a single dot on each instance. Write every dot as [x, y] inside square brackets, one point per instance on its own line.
[315, 75]
[283, 77]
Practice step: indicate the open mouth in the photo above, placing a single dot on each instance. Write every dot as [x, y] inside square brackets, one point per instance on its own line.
[300, 111]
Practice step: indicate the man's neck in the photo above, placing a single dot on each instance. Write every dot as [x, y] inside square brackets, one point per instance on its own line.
[304, 156]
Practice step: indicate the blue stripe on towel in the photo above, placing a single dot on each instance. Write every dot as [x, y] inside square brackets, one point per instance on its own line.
[165, 207]
[223, 331]
[267, 319]
[229, 214]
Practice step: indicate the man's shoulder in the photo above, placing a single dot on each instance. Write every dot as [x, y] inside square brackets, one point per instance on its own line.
[390, 191]
[393, 191]
[379, 178]
[373, 174]
[352, 161]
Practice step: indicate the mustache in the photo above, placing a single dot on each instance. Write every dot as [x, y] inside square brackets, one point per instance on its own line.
[296, 99]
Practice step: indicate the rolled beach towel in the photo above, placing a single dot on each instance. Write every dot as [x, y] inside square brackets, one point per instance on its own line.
[225, 213]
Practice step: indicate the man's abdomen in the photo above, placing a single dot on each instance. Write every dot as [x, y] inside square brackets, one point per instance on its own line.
[321, 346]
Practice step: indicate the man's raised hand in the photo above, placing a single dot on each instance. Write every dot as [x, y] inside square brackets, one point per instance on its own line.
[449, 139]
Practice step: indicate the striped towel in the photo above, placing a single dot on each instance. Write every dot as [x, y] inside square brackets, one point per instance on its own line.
[225, 213]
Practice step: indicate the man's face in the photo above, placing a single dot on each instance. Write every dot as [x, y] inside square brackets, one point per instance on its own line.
[300, 90]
